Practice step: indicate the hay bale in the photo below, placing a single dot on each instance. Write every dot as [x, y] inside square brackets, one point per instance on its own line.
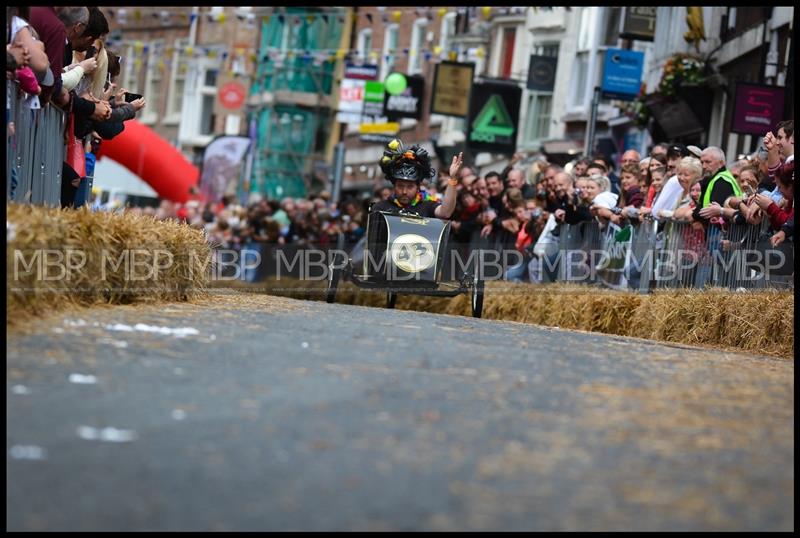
[758, 321]
[59, 257]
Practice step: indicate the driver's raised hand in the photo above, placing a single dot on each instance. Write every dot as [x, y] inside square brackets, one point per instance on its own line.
[455, 166]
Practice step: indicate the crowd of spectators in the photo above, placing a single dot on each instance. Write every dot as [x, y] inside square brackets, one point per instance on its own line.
[523, 208]
[58, 55]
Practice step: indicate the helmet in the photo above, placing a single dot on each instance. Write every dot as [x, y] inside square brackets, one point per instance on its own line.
[412, 164]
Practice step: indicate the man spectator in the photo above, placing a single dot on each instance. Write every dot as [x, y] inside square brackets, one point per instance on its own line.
[780, 148]
[581, 166]
[675, 153]
[55, 27]
[659, 149]
[630, 156]
[568, 210]
[717, 185]
[516, 180]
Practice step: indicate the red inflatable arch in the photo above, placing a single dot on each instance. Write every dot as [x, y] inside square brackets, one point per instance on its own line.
[139, 149]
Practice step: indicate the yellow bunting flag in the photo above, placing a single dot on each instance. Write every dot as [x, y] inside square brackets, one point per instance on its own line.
[486, 10]
[397, 15]
[442, 12]
[221, 18]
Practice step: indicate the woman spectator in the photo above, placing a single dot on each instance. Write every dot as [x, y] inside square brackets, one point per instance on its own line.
[690, 172]
[601, 198]
[656, 161]
[630, 196]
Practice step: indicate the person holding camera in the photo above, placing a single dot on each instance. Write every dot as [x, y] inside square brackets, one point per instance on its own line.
[568, 208]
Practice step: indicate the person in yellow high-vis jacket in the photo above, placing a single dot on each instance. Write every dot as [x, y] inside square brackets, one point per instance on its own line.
[718, 185]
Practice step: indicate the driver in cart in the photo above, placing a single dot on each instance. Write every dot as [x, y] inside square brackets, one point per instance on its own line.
[407, 168]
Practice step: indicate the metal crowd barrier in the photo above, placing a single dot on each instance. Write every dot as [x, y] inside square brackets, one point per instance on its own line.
[651, 255]
[34, 153]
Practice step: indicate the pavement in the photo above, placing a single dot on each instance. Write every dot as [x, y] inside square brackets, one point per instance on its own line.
[249, 412]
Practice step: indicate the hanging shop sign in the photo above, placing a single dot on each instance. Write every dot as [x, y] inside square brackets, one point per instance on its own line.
[404, 100]
[494, 117]
[374, 94]
[542, 73]
[451, 85]
[351, 91]
[622, 74]
[757, 108]
[639, 23]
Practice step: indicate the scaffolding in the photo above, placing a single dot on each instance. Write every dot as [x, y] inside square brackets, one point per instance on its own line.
[294, 105]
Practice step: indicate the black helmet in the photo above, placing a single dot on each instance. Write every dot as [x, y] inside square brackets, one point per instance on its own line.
[412, 164]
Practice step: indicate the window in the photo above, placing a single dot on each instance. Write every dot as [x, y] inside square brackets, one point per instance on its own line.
[612, 26]
[207, 115]
[153, 87]
[129, 69]
[540, 104]
[364, 44]
[389, 50]
[197, 125]
[580, 72]
[540, 108]
[417, 44]
[447, 32]
[177, 81]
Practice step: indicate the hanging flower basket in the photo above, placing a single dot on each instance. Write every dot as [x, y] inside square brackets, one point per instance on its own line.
[681, 69]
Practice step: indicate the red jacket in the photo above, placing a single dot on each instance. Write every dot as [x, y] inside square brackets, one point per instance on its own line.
[778, 216]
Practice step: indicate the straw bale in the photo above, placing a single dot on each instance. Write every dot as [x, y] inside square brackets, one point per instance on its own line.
[757, 321]
[100, 240]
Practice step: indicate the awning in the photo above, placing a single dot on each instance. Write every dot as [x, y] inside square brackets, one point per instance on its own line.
[564, 146]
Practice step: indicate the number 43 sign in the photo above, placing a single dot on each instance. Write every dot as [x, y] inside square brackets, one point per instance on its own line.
[494, 117]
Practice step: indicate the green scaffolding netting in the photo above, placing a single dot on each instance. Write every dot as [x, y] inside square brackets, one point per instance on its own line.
[287, 134]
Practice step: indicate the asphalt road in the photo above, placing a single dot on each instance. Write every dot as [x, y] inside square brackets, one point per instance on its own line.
[266, 413]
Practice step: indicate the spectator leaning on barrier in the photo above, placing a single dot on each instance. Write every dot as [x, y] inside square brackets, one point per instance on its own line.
[779, 215]
[604, 200]
[516, 179]
[55, 26]
[568, 209]
[655, 162]
[672, 191]
[689, 174]
[717, 185]
[630, 196]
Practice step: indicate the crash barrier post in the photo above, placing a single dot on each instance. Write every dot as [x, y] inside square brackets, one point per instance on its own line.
[670, 255]
[35, 152]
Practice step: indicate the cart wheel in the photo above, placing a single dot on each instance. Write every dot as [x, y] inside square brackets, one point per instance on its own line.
[477, 290]
[391, 299]
[334, 275]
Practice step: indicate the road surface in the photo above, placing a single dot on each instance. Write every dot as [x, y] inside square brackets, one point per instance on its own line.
[249, 412]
